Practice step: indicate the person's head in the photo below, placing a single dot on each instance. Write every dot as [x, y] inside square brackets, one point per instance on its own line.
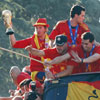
[41, 26]
[87, 41]
[78, 13]
[14, 72]
[61, 44]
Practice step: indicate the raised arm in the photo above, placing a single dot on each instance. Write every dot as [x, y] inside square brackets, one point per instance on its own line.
[12, 39]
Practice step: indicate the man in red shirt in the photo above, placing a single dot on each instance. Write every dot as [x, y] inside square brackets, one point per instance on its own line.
[18, 76]
[39, 40]
[87, 55]
[72, 28]
[61, 69]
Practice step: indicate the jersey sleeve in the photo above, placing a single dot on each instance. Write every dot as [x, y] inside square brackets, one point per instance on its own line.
[47, 53]
[55, 31]
[72, 49]
[72, 63]
[84, 27]
[22, 43]
[97, 50]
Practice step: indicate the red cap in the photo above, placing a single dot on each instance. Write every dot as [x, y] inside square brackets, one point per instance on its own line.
[41, 22]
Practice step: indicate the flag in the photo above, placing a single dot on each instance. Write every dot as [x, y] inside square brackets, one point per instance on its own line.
[84, 86]
[84, 91]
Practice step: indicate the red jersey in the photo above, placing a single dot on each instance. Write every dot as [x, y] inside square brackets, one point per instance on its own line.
[62, 27]
[52, 53]
[92, 67]
[22, 76]
[34, 65]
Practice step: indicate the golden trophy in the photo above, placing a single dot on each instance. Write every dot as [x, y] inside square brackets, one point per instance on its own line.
[7, 16]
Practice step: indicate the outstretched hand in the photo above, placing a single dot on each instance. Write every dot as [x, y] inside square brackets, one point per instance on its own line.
[47, 63]
[29, 48]
[76, 57]
[49, 74]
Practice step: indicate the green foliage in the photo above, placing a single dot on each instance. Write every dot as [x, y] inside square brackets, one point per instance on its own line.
[25, 13]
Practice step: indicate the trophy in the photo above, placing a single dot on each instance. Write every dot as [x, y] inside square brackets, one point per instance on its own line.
[7, 15]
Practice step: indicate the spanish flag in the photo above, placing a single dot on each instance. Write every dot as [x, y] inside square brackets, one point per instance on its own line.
[84, 91]
[82, 86]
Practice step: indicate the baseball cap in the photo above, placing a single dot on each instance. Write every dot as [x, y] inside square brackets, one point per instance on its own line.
[60, 40]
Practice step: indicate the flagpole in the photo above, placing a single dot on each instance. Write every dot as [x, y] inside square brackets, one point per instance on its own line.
[4, 49]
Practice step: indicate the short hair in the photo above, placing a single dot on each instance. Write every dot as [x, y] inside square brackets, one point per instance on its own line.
[15, 71]
[88, 35]
[14, 68]
[76, 9]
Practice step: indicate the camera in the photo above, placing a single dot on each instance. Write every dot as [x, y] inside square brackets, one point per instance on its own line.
[33, 85]
[32, 95]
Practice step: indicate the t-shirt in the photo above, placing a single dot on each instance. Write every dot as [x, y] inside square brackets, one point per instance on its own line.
[62, 27]
[22, 76]
[81, 67]
[34, 65]
[51, 53]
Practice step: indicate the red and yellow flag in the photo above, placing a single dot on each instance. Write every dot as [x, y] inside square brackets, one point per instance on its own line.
[83, 91]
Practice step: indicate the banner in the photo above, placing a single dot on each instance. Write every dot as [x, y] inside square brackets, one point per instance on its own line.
[84, 91]
[84, 86]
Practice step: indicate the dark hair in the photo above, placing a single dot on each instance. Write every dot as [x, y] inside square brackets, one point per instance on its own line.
[76, 9]
[88, 35]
